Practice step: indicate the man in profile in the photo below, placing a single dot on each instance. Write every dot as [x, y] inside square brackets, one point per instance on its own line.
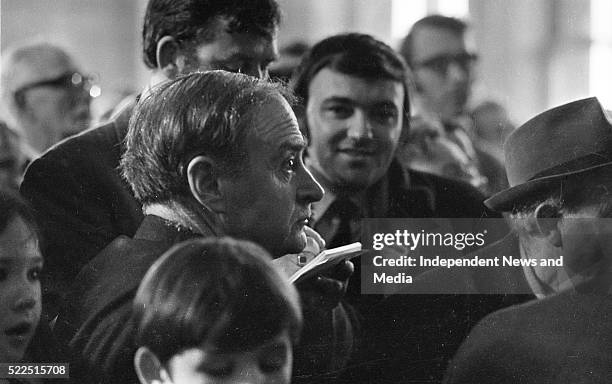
[208, 154]
[76, 190]
[44, 95]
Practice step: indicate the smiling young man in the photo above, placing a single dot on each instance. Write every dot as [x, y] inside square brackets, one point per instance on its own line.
[355, 104]
[78, 194]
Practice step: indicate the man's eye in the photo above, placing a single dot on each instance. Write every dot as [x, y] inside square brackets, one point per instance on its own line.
[290, 164]
[385, 115]
[340, 111]
[34, 273]
[439, 66]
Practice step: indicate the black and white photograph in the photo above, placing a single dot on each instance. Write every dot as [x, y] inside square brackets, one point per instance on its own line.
[305, 191]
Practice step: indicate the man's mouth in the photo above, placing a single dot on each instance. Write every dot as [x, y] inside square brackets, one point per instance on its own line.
[358, 152]
[303, 220]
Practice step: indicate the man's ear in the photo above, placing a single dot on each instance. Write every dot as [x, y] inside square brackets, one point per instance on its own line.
[170, 59]
[148, 367]
[547, 218]
[203, 178]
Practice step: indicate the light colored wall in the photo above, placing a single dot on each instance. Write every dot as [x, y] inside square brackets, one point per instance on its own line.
[534, 54]
[314, 20]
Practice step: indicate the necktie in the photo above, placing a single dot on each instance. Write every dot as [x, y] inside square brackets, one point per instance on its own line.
[347, 212]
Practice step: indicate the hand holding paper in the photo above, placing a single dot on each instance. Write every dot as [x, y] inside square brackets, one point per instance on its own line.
[326, 260]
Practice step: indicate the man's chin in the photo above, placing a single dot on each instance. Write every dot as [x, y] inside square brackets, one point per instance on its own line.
[356, 181]
[293, 244]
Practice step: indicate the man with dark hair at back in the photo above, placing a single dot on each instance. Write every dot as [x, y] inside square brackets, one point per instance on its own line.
[78, 195]
[208, 154]
[355, 104]
[442, 63]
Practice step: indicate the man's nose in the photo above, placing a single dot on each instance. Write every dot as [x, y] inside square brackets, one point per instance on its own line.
[309, 190]
[360, 126]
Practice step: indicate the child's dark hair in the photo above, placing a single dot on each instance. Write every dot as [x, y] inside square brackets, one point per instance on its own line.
[11, 206]
[218, 292]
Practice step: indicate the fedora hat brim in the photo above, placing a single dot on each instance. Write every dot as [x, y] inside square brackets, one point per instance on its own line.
[506, 200]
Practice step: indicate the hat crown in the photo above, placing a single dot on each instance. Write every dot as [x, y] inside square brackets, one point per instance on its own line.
[570, 138]
[560, 142]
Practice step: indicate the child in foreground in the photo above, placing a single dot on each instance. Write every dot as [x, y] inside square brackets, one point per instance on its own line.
[23, 338]
[215, 311]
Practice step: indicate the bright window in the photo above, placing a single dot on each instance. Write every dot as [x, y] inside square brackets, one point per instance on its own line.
[407, 12]
[600, 58]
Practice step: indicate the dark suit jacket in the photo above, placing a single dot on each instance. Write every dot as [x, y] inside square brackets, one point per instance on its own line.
[410, 338]
[81, 201]
[427, 327]
[566, 338]
[96, 319]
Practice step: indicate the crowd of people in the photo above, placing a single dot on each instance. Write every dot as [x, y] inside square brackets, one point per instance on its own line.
[153, 247]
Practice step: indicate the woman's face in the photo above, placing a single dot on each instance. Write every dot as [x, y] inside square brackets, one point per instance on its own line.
[20, 295]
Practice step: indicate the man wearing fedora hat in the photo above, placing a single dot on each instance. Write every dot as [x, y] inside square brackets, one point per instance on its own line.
[559, 166]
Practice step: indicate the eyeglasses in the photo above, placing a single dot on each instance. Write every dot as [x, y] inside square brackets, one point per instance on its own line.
[71, 81]
[440, 63]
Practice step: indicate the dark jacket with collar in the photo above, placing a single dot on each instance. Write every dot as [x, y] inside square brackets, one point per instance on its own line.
[410, 338]
[96, 319]
[420, 195]
[565, 338]
[424, 330]
[81, 201]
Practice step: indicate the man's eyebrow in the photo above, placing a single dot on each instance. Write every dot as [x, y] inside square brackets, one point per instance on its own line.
[294, 145]
[338, 99]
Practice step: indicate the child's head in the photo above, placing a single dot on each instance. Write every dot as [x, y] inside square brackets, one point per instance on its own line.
[20, 267]
[215, 310]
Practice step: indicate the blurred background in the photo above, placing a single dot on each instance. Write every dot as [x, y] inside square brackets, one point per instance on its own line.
[533, 54]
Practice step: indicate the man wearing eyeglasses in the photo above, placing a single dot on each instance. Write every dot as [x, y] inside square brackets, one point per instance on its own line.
[442, 64]
[44, 95]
